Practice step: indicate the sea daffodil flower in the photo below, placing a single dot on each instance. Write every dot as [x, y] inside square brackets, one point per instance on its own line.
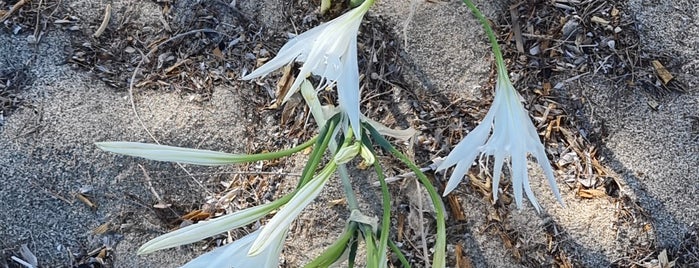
[235, 254]
[329, 51]
[513, 136]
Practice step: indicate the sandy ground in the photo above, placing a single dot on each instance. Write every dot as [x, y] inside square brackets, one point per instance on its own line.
[47, 154]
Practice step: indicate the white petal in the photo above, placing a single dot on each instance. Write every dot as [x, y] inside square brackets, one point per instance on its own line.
[468, 148]
[296, 49]
[519, 175]
[548, 171]
[456, 176]
[499, 160]
[234, 255]
[348, 89]
[530, 196]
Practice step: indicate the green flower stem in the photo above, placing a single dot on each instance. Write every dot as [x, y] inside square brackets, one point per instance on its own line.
[404, 262]
[355, 3]
[352, 203]
[317, 154]
[499, 61]
[368, 234]
[386, 200]
[309, 95]
[439, 257]
[336, 250]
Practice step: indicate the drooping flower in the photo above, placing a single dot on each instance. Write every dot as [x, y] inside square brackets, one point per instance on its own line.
[235, 254]
[329, 51]
[513, 136]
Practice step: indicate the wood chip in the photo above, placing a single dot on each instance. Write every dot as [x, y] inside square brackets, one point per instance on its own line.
[284, 84]
[196, 215]
[599, 20]
[103, 228]
[456, 210]
[663, 73]
[83, 198]
[461, 260]
[591, 193]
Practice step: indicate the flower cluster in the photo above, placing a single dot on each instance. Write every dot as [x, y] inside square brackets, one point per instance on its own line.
[330, 52]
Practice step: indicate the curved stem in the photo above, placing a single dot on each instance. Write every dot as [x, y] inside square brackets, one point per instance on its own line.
[439, 257]
[404, 262]
[317, 154]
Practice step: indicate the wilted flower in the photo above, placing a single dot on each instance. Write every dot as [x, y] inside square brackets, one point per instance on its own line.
[330, 51]
[235, 254]
[513, 136]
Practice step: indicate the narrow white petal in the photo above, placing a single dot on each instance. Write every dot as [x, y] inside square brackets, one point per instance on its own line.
[348, 88]
[548, 171]
[519, 175]
[204, 229]
[296, 49]
[499, 160]
[456, 176]
[272, 65]
[467, 149]
[530, 196]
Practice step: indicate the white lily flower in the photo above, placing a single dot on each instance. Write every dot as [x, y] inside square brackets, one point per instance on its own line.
[513, 136]
[235, 254]
[330, 51]
[277, 226]
[204, 229]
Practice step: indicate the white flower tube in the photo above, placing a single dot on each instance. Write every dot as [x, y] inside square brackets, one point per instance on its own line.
[513, 136]
[171, 153]
[277, 226]
[330, 51]
[235, 254]
[204, 229]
